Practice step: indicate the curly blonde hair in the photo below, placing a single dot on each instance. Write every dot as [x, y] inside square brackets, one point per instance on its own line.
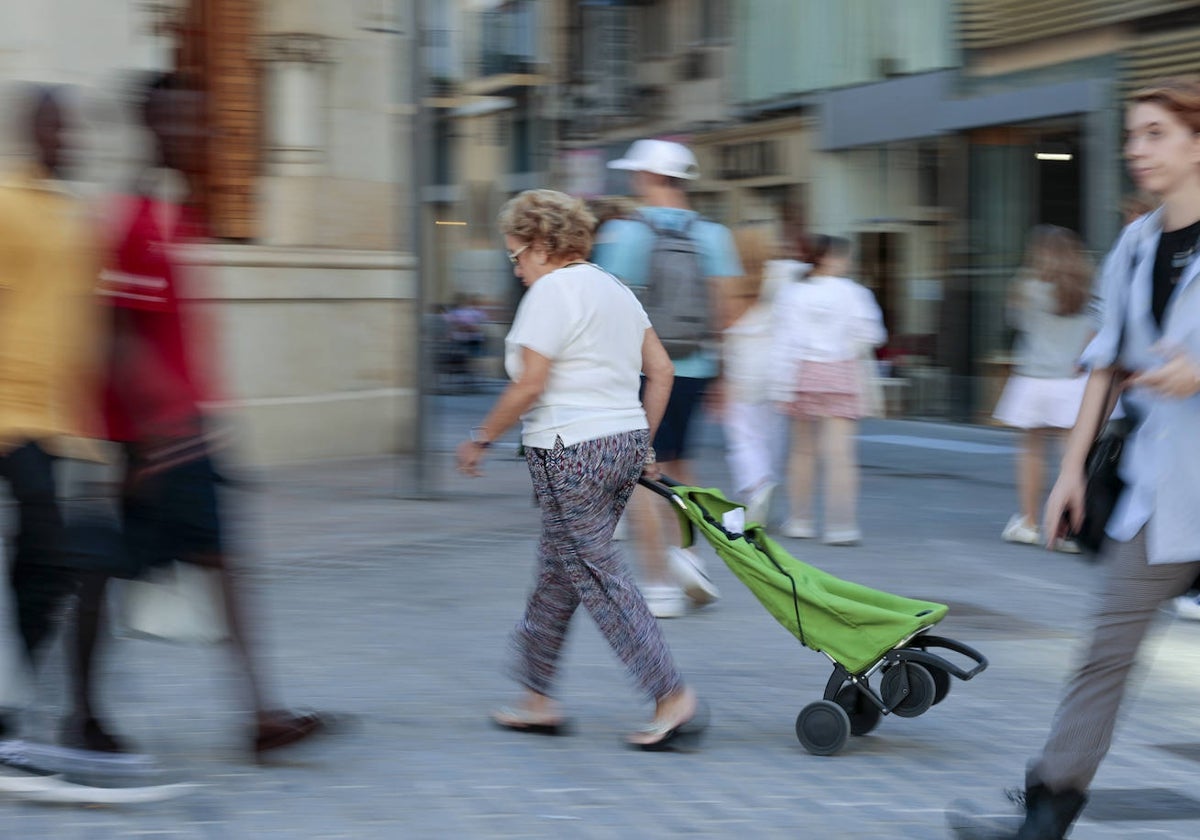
[561, 224]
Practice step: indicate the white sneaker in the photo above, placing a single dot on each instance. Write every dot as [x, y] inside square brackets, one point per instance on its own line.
[688, 569]
[1188, 607]
[758, 509]
[1019, 531]
[1067, 546]
[799, 529]
[664, 600]
[843, 536]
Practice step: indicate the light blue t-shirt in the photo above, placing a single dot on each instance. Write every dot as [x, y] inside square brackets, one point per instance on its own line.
[623, 248]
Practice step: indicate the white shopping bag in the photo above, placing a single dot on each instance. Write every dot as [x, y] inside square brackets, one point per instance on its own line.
[179, 602]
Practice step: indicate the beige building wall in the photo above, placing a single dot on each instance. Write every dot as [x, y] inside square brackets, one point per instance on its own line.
[316, 321]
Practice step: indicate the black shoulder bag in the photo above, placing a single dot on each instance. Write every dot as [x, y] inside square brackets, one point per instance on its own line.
[1102, 467]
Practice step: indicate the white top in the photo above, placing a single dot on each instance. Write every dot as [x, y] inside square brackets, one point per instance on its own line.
[1161, 462]
[746, 343]
[591, 327]
[820, 319]
[1048, 344]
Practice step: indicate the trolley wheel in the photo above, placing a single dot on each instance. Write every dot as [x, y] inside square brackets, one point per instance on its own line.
[864, 715]
[921, 689]
[823, 727]
[941, 683]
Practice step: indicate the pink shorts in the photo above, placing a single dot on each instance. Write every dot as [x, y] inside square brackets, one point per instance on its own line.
[828, 389]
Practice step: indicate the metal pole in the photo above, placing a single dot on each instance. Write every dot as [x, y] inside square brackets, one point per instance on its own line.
[421, 482]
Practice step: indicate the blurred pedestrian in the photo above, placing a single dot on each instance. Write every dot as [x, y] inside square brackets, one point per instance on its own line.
[1150, 326]
[1048, 307]
[753, 429]
[49, 332]
[577, 345]
[821, 322]
[159, 374]
[677, 262]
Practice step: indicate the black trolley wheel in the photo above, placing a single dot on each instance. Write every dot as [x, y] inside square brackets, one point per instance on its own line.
[823, 727]
[941, 683]
[864, 715]
[908, 688]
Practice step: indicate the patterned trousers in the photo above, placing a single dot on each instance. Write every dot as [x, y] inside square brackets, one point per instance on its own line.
[1083, 726]
[582, 490]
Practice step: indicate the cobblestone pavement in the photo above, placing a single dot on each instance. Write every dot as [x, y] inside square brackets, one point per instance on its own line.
[397, 612]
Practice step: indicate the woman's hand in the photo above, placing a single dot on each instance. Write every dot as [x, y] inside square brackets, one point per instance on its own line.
[1179, 378]
[650, 468]
[1064, 508]
[470, 455]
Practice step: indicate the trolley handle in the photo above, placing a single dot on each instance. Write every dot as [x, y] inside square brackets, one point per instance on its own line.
[663, 486]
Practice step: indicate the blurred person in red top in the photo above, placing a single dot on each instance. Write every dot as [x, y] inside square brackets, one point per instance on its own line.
[156, 386]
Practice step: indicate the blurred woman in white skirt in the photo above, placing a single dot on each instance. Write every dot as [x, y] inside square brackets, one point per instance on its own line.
[1049, 309]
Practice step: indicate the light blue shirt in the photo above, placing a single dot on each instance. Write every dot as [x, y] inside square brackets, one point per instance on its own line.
[1161, 464]
[623, 248]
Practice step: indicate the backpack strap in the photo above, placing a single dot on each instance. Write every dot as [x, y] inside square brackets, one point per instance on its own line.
[686, 230]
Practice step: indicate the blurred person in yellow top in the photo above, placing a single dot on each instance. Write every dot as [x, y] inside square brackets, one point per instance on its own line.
[48, 335]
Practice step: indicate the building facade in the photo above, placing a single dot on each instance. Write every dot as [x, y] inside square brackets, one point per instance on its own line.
[309, 275]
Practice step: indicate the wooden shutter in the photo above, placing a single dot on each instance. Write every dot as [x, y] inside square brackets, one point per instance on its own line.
[217, 48]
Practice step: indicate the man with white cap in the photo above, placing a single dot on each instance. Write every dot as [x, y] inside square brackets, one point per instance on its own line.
[660, 170]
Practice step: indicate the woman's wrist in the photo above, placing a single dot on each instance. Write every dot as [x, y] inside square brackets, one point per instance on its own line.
[480, 437]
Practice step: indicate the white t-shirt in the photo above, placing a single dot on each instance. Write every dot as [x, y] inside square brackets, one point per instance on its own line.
[591, 327]
[820, 319]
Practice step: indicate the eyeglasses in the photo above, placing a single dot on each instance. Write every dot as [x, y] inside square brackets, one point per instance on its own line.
[514, 255]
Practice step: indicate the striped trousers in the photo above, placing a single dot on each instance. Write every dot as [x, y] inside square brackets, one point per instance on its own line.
[1083, 726]
[582, 490]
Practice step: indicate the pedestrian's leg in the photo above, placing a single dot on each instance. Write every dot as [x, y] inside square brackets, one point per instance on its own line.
[608, 591]
[234, 606]
[1030, 468]
[540, 634]
[841, 477]
[802, 469]
[82, 728]
[645, 520]
[1083, 725]
[745, 442]
[40, 585]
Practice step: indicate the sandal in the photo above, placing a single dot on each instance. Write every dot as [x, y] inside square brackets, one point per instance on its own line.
[285, 729]
[683, 736]
[519, 720]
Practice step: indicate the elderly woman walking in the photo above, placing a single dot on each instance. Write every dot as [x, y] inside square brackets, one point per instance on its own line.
[576, 354]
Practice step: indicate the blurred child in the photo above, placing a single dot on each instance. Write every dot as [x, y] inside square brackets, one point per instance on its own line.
[752, 426]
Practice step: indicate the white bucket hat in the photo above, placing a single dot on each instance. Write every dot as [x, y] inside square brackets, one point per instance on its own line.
[661, 157]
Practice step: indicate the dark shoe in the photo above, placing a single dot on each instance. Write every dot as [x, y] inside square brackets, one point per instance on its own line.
[1048, 816]
[967, 822]
[683, 737]
[284, 729]
[89, 735]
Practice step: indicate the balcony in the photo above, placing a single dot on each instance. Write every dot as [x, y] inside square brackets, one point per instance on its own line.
[508, 49]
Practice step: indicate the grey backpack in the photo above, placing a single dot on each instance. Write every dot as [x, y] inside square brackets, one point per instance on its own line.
[676, 296]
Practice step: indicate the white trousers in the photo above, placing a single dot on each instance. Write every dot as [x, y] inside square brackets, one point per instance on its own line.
[753, 443]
